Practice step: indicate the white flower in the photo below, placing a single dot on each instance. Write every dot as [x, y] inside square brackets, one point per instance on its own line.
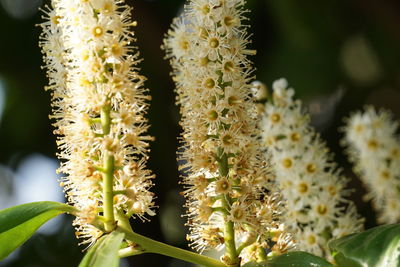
[220, 140]
[99, 106]
[311, 183]
[374, 148]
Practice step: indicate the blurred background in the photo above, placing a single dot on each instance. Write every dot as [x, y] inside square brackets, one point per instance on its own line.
[339, 56]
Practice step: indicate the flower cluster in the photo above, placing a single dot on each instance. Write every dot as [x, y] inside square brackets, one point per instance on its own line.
[225, 173]
[375, 149]
[311, 184]
[99, 106]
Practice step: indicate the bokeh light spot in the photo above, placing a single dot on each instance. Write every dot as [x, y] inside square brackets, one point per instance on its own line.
[21, 9]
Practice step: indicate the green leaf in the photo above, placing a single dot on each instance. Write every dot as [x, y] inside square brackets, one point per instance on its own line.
[255, 264]
[292, 259]
[378, 247]
[19, 223]
[104, 253]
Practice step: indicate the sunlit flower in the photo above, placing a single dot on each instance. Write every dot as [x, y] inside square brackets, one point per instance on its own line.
[221, 157]
[98, 106]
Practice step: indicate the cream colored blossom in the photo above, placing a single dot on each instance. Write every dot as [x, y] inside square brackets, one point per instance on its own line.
[99, 105]
[221, 158]
[374, 148]
[311, 183]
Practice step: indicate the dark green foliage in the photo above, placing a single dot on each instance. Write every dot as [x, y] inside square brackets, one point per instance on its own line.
[379, 246]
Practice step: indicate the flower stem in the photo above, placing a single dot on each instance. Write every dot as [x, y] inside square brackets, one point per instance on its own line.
[147, 245]
[229, 229]
[105, 119]
[229, 237]
[261, 254]
[129, 251]
[152, 246]
[108, 174]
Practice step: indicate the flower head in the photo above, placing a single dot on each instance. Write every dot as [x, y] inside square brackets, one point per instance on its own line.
[374, 148]
[98, 106]
[223, 164]
[311, 183]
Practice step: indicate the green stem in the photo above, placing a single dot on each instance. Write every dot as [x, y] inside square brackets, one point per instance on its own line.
[152, 246]
[261, 254]
[229, 227]
[229, 237]
[223, 165]
[241, 247]
[123, 221]
[119, 192]
[105, 118]
[244, 245]
[129, 251]
[108, 194]
[108, 174]
[250, 239]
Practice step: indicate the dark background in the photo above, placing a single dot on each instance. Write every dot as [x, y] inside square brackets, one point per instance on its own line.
[339, 55]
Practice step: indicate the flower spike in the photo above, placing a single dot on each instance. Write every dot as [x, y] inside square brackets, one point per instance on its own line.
[99, 106]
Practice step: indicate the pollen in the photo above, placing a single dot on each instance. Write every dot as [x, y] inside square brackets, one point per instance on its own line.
[229, 66]
[359, 128]
[229, 21]
[116, 50]
[227, 139]
[238, 213]
[203, 33]
[372, 144]
[222, 186]
[205, 9]
[322, 209]
[332, 190]
[55, 19]
[287, 163]
[132, 139]
[184, 44]
[232, 100]
[311, 240]
[385, 175]
[107, 8]
[275, 118]
[85, 55]
[209, 83]
[98, 31]
[212, 115]
[213, 42]
[204, 61]
[311, 168]
[295, 137]
[303, 188]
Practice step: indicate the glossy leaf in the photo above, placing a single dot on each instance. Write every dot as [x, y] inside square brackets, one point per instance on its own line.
[377, 247]
[292, 259]
[19, 223]
[255, 264]
[104, 253]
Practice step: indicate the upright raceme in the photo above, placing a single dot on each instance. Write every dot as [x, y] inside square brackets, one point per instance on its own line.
[225, 174]
[99, 106]
[374, 148]
[312, 185]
